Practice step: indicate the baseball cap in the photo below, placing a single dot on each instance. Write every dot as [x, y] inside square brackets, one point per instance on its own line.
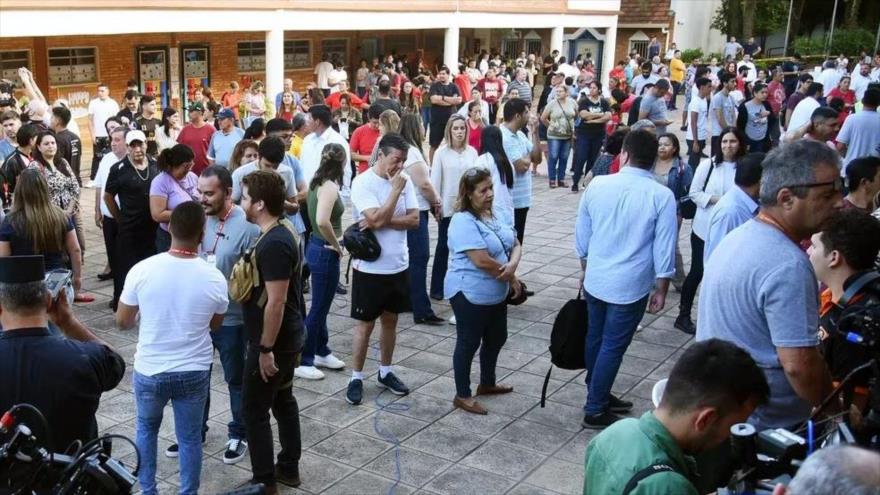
[225, 114]
[196, 106]
[132, 136]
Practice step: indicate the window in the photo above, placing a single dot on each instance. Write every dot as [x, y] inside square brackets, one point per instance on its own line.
[534, 46]
[10, 61]
[297, 54]
[510, 48]
[251, 56]
[73, 66]
[336, 48]
[640, 46]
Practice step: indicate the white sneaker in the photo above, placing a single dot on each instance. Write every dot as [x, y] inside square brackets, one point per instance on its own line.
[89, 184]
[330, 362]
[308, 373]
[452, 320]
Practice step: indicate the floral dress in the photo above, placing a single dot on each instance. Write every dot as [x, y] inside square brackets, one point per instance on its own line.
[63, 189]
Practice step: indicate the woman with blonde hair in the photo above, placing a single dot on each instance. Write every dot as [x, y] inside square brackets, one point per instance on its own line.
[452, 158]
[255, 103]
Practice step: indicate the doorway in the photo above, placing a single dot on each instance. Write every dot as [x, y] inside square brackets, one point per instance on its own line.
[153, 73]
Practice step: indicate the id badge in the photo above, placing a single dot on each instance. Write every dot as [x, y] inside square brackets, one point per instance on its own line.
[211, 259]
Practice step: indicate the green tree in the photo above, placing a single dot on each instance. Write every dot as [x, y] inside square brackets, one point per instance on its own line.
[745, 18]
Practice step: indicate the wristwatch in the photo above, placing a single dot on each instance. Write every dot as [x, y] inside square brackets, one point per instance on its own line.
[263, 349]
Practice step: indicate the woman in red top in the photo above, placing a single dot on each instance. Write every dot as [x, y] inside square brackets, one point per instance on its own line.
[288, 107]
[618, 73]
[843, 92]
[475, 125]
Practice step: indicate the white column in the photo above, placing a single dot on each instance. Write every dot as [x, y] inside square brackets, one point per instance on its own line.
[274, 62]
[556, 40]
[608, 60]
[450, 49]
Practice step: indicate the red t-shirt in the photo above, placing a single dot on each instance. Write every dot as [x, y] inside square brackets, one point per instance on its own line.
[491, 90]
[463, 83]
[198, 139]
[362, 142]
[475, 136]
[776, 96]
[333, 100]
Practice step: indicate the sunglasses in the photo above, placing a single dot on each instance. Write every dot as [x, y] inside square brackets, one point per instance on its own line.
[836, 184]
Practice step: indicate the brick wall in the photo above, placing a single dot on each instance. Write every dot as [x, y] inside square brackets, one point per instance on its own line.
[621, 49]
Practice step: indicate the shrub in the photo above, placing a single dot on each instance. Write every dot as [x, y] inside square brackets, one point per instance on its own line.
[850, 42]
[691, 53]
[808, 46]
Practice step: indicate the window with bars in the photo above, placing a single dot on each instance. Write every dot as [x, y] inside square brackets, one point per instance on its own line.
[73, 65]
[510, 48]
[640, 46]
[10, 61]
[251, 56]
[297, 54]
[336, 48]
[534, 46]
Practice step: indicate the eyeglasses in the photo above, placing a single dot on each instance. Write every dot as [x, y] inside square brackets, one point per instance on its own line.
[836, 184]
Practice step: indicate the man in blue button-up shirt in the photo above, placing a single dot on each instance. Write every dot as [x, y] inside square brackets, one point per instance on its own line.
[625, 237]
[738, 205]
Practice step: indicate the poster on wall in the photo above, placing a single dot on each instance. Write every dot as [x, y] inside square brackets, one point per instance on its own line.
[195, 72]
[153, 73]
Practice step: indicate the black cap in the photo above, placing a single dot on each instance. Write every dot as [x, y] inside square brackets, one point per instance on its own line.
[22, 269]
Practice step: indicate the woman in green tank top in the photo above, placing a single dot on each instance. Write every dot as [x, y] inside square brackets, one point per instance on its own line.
[323, 253]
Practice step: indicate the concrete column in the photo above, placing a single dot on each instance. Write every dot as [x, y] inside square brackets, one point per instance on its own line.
[608, 60]
[450, 49]
[556, 40]
[274, 62]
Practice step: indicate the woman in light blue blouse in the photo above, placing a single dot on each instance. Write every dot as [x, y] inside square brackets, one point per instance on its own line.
[484, 254]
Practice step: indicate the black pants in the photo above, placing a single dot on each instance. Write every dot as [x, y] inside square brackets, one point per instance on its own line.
[110, 229]
[694, 276]
[716, 146]
[493, 113]
[477, 326]
[307, 222]
[100, 147]
[694, 158]
[131, 247]
[441, 259]
[163, 240]
[258, 397]
[519, 222]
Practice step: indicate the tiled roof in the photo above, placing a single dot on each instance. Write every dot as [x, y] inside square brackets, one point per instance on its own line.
[644, 11]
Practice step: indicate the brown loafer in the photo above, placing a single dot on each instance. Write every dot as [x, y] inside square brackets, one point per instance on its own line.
[493, 389]
[470, 405]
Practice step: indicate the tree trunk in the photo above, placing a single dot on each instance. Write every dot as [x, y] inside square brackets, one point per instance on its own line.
[797, 12]
[852, 13]
[748, 18]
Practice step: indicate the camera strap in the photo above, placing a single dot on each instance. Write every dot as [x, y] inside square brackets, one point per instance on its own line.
[855, 287]
[660, 467]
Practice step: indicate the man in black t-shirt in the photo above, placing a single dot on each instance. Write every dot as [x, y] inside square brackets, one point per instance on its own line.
[445, 99]
[130, 180]
[69, 144]
[147, 122]
[274, 322]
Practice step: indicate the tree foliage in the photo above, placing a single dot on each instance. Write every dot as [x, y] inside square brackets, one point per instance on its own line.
[735, 17]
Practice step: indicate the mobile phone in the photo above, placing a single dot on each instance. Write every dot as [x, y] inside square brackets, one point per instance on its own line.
[58, 280]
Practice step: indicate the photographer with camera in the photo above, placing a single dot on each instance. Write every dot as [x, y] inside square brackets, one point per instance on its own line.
[843, 256]
[713, 386]
[62, 377]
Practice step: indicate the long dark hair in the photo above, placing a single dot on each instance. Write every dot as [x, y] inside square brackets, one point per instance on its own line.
[171, 158]
[58, 162]
[331, 167]
[740, 152]
[492, 144]
[676, 145]
[256, 130]
[167, 113]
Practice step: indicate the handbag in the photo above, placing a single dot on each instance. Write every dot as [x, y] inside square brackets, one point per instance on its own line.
[521, 297]
[686, 204]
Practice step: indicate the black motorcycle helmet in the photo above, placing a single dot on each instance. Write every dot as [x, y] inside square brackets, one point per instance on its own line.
[362, 244]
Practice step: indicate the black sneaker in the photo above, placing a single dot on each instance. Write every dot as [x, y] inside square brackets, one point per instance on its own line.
[355, 393]
[235, 451]
[574, 187]
[173, 450]
[341, 290]
[393, 384]
[431, 320]
[285, 477]
[684, 323]
[600, 421]
[618, 405]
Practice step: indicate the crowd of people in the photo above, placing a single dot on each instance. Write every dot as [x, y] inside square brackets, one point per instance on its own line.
[249, 192]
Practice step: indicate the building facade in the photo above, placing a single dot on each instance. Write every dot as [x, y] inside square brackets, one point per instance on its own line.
[171, 47]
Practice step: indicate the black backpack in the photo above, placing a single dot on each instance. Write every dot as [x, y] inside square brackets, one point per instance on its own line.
[567, 339]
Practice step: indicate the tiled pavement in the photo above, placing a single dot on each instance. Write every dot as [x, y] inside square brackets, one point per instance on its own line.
[518, 448]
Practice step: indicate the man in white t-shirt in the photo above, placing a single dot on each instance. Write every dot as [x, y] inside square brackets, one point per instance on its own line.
[103, 218]
[860, 135]
[385, 202]
[174, 350]
[746, 62]
[322, 73]
[100, 109]
[698, 121]
[804, 110]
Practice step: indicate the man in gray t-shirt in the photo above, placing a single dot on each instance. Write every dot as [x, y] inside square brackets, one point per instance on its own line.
[759, 288]
[653, 106]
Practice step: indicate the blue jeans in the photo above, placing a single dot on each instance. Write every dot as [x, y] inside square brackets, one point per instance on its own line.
[418, 242]
[187, 391]
[558, 151]
[586, 149]
[426, 117]
[441, 259]
[609, 332]
[324, 264]
[231, 342]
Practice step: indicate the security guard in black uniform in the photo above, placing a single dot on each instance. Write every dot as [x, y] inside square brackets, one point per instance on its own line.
[62, 377]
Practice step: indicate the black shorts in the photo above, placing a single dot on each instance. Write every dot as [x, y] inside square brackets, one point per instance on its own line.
[372, 294]
[438, 130]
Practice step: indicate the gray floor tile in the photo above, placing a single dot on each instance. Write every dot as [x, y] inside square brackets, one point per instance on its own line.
[558, 476]
[503, 459]
[350, 448]
[534, 436]
[441, 441]
[459, 480]
[416, 468]
[361, 483]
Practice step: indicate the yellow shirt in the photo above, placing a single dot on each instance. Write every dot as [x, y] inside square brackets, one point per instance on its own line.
[676, 70]
[296, 146]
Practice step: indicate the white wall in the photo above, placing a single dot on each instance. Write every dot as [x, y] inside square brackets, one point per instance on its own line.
[692, 20]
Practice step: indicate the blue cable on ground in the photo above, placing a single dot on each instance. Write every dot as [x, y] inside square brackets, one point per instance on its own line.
[388, 435]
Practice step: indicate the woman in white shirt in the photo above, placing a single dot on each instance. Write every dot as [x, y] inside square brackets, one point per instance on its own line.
[713, 178]
[166, 134]
[450, 161]
[495, 161]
